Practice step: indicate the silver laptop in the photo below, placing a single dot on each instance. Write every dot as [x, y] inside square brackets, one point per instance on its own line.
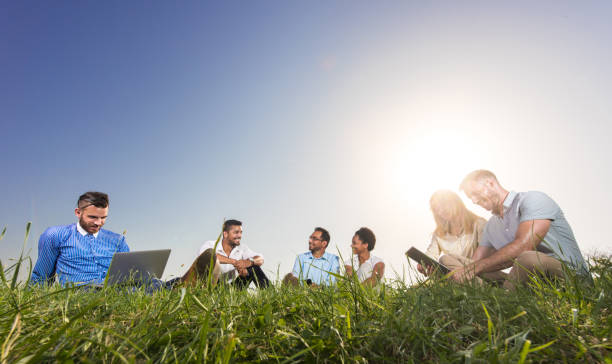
[137, 266]
[426, 260]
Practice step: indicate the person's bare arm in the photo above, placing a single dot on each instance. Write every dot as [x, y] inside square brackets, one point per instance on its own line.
[247, 263]
[377, 273]
[482, 252]
[528, 235]
[225, 260]
[349, 270]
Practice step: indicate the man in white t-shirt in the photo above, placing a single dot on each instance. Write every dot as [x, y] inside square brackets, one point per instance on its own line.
[369, 268]
[238, 264]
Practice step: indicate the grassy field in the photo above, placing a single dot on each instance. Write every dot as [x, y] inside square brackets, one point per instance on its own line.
[434, 322]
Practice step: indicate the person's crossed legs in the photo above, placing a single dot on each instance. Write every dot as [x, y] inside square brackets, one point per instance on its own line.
[525, 265]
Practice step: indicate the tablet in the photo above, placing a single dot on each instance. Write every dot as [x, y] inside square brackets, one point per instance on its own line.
[424, 259]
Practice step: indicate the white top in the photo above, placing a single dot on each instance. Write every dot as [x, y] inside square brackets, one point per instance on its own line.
[463, 246]
[365, 270]
[228, 271]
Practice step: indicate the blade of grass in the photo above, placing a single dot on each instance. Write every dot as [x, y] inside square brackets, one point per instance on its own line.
[60, 331]
[10, 338]
[524, 352]
[212, 259]
[25, 240]
[489, 325]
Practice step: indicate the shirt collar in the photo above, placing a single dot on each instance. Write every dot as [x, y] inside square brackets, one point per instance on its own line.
[84, 232]
[508, 201]
[220, 249]
[324, 256]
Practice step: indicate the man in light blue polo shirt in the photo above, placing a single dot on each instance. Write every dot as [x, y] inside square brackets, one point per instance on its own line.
[528, 232]
[314, 267]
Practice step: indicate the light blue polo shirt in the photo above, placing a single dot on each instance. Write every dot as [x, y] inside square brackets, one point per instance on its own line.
[306, 266]
[558, 243]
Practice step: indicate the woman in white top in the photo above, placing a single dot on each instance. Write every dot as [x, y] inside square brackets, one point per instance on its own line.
[458, 229]
[369, 268]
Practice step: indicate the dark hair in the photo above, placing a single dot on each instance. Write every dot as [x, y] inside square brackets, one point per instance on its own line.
[92, 198]
[324, 234]
[367, 236]
[229, 223]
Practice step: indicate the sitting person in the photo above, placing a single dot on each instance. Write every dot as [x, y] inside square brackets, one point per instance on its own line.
[238, 264]
[528, 232]
[314, 266]
[370, 269]
[457, 232]
[81, 253]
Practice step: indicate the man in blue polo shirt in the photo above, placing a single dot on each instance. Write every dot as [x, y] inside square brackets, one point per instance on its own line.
[528, 232]
[81, 253]
[314, 266]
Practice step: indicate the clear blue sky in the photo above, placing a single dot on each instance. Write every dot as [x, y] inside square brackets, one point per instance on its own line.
[291, 115]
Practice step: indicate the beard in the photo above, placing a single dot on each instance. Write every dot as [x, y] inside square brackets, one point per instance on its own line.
[90, 228]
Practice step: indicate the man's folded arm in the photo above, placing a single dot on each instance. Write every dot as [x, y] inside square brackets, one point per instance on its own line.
[528, 235]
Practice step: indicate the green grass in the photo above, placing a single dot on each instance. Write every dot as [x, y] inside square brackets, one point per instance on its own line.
[434, 322]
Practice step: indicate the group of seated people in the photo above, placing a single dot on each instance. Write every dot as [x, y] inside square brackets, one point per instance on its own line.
[527, 233]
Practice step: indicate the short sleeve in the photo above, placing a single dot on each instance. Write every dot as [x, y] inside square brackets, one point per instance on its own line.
[477, 235]
[297, 270]
[350, 261]
[335, 268]
[537, 206]
[433, 250]
[485, 237]
[336, 265]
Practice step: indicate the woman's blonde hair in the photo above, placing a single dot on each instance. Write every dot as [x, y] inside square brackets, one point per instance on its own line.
[458, 211]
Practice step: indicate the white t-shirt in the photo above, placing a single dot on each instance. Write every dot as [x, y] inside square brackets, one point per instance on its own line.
[364, 271]
[228, 271]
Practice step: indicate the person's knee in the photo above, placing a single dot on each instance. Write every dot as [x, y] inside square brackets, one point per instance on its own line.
[450, 262]
[526, 260]
[290, 279]
[446, 260]
[209, 252]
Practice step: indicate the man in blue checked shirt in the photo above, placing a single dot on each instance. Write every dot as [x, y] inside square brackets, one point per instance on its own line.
[81, 253]
[314, 267]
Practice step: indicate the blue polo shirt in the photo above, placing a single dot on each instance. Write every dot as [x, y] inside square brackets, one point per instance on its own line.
[558, 243]
[306, 266]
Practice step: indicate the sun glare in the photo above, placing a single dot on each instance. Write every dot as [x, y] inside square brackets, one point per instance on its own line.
[432, 161]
